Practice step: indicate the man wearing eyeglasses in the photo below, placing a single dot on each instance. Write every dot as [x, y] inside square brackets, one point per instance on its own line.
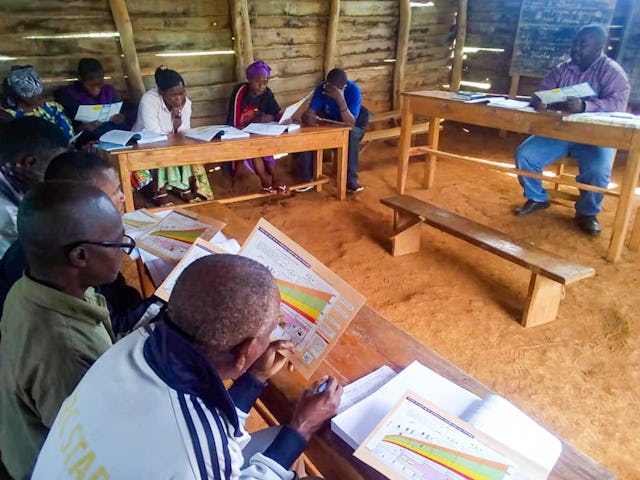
[54, 326]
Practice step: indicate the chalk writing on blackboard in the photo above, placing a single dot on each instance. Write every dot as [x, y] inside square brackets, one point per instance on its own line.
[546, 29]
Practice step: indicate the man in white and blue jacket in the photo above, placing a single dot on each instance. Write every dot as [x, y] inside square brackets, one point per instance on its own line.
[155, 406]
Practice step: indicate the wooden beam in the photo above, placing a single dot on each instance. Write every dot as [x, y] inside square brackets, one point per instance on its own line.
[331, 38]
[242, 43]
[402, 47]
[461, 34]
[131, 65]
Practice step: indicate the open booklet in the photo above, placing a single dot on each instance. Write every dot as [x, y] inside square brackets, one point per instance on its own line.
[171, 237]
[97, 113]
[419, 440]
[493, 415]
[124, 138]
[271, 128]
[558, 95]
[209, 132]
[291, 110]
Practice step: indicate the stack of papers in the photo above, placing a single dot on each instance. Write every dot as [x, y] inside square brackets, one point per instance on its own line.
[271, 128]
[467, 95]
[209, 132]
[623, 119]
[507, 103]
[493, 415]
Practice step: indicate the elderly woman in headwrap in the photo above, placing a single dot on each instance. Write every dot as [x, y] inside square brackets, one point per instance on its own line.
[23, 97]
[167, 109]
[253, 102]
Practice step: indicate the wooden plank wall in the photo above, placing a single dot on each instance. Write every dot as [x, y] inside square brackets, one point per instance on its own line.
[289, 35]
[430, 46]
[166, 26]
[491, 24]
[56, 59]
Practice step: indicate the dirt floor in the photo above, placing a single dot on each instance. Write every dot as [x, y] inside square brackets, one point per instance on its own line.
[578, 375]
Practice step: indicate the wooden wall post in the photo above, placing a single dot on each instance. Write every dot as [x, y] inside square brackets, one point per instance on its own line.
[332, 36]
[402, 47]
[242, 43]
[121, 18]
[461, 34]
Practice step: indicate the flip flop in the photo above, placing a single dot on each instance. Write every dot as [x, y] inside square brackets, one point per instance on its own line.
[267, 191]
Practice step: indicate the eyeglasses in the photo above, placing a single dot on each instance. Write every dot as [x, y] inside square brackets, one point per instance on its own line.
[127, 247]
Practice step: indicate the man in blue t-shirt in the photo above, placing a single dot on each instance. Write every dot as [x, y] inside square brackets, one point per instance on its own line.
[337, 99]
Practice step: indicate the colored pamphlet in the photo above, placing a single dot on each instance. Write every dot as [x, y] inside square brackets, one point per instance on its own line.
[97, 113]
[316, 305]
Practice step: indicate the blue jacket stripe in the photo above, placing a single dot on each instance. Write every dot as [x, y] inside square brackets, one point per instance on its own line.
[225, 448]
[194, 436]
[213, 453]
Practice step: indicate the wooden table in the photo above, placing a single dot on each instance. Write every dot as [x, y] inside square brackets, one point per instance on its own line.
[181, 150]
[370, 342]
[439, 105]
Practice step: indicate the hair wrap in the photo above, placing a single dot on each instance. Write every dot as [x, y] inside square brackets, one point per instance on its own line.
[258, 68]
[24, 81]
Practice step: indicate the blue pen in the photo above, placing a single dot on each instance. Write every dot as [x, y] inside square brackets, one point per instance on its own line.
[322, 387]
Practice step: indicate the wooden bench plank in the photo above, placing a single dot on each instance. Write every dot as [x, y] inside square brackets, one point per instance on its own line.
[522, 253]
[393, 132]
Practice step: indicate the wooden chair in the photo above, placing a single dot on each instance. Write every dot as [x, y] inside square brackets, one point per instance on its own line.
[549, 272]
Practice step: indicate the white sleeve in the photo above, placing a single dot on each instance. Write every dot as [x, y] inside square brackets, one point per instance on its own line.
[186, 116]
[149, 115]
[263, 468]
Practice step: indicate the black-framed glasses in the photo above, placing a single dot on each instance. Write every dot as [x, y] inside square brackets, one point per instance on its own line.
[126, 247]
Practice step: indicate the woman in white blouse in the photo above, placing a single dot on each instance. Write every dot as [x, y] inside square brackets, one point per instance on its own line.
[166, 109]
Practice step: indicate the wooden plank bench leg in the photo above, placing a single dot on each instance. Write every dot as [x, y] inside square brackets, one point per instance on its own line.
[634, 241]
[543, 301]
[406, 234]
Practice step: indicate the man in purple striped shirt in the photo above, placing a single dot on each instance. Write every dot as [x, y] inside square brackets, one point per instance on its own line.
[587, 64]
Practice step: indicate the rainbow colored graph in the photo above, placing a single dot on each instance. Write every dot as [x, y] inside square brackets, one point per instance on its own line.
[308, 302]
[186, 236]
[467, 466]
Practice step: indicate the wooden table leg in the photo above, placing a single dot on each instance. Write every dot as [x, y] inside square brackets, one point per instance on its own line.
[433, 138]
[343, 159]
[125, 181]
[634, 242]
[405, 143]
[625, 201]
[317, 168]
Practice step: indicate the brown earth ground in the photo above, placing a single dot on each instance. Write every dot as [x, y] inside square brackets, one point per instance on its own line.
[578, 375]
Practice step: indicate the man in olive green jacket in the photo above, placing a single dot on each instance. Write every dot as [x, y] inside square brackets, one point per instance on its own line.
[54, 326]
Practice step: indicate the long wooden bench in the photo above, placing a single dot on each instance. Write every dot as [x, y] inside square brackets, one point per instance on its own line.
[549, 272]
[372, 135]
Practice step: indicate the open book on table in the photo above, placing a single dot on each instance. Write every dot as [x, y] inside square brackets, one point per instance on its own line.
[493, 415]
[271, 128]
[291, 110]
[209, 132]
[123, 138]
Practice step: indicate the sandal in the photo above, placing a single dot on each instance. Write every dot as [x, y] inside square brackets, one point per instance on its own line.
[161, 201]
[283, 190]
[188, 196]
[267, 191]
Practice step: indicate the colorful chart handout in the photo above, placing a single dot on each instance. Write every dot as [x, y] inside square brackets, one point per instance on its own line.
[172, 236]
[316, 305]
[417, 440]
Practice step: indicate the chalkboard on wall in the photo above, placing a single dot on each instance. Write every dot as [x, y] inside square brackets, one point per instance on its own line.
[546, 29]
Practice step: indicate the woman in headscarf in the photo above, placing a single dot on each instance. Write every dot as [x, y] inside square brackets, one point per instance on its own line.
[253, 102]
[167, 109]
[90, 89]
[23, 97]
